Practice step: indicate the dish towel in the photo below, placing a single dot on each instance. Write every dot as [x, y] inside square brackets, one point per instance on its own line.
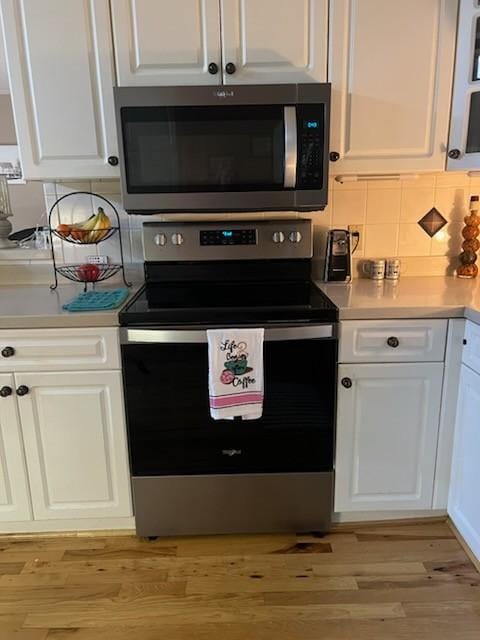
[235, 373]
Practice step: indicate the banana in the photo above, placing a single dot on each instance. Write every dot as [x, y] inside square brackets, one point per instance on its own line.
[101, 227]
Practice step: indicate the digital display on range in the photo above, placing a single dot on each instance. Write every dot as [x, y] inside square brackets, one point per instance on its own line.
[215, 237]
[312, 124]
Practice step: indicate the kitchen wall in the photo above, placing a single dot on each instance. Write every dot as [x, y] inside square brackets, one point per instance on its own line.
[389, 211]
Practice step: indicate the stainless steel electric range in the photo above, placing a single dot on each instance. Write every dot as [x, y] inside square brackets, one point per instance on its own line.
[192, 474]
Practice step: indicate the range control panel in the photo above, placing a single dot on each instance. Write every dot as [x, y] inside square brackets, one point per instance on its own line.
[257, 240]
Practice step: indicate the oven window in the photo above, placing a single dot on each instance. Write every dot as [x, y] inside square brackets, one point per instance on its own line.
[192, 149]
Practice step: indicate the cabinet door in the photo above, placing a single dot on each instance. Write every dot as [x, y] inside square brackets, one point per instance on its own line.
[161, 42]
[74, 431]
[274, 41]
[14, 492]
[464, 143]
[391, 67]
[464, 500]
[60, 63]
[387, 430]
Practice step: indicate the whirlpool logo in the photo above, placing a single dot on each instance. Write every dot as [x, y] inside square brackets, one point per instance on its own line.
[224, 94]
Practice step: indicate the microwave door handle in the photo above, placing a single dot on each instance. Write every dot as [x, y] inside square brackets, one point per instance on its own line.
[290, 126]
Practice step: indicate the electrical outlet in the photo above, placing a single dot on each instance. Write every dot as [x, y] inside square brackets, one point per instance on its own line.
[357, 228]
[97, 259]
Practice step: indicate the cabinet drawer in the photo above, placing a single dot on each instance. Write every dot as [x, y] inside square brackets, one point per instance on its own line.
[471, 350]
[393, 341]
[59, 349]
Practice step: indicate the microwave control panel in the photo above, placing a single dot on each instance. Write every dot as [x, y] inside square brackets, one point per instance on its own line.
[310, 119]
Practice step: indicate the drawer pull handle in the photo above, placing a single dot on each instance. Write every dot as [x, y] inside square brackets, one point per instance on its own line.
[393, 342]
[8, 352]
[347, 383]
[5, 392]
[22, 390]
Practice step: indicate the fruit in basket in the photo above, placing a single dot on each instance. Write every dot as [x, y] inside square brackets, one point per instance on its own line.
[101, 227]
[88, 272]
[76, 233]
[64, 230]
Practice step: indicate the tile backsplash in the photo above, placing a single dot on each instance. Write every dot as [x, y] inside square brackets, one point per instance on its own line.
[388, 210]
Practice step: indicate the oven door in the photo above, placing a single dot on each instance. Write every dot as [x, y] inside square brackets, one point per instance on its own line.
[169, 425]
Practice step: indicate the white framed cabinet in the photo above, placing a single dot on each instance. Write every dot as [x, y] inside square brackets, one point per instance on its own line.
[464, 143]
[274, 41]
[14, 489]
[63, 445]
[75, 444]
[391, 68]
[158, 42]
[464, 499]
[387, 430]
[60, 65]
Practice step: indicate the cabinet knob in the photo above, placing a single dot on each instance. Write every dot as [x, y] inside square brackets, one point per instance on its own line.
[5, 392]
[8, 352]
[113, 160]
[393, 342]
[213, 68]
[347, 383]
[22, 390]
[230, 68]
[334, 156]
[454, 154]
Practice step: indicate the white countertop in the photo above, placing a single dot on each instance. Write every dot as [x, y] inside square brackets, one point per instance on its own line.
[410, 297]
[37, 306]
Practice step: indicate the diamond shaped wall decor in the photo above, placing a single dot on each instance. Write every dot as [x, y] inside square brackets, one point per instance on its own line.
[432, 222]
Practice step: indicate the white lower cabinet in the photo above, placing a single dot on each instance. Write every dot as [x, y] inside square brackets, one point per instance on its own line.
[464, 497]
[14, 492]
[75, 444]
[387, 431]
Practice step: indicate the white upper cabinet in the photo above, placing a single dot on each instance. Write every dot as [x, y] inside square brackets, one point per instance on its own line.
[60, 64]
[391, 66]
[274, 41]
[464, 144]
[160, 42]
[14, 491]
[75, 442]
[387, 432]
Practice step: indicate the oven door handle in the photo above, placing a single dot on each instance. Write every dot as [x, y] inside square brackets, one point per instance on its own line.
[183, 336]
[290, 127]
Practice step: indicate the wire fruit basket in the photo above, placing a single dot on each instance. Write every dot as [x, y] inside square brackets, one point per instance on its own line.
[81, 236]
[86, 272]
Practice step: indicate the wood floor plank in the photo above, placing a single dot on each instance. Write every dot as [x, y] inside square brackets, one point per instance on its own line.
[10, 568]
[118, 554]
[11, 629]
[98, 615]
[27, 599]
[265, 584]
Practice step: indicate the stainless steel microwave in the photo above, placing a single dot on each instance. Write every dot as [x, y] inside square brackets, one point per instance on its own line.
[241, 148]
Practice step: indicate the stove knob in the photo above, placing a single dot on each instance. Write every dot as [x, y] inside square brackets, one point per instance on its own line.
[278, 237]
[295, 236]
[177, 239]
[160, 239]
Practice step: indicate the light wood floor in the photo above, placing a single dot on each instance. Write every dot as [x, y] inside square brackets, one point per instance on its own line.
[395, 582]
